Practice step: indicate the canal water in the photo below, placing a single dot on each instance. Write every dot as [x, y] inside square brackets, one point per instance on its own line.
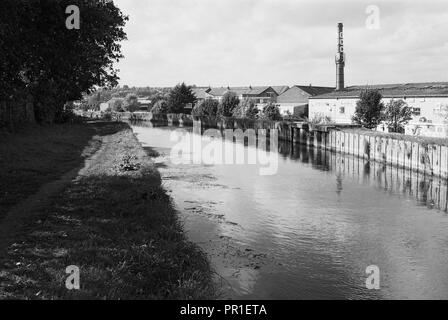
[310, 230]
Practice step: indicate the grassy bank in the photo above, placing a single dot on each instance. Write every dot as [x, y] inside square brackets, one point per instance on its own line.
[36, 155]
[116, 223]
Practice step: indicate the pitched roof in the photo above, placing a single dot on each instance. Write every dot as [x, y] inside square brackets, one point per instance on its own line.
[238, 90]
[301, 94]
[200, 93]
[315, 90]
[256, 90]
[435, 89]
[218, 91]
[280, 89]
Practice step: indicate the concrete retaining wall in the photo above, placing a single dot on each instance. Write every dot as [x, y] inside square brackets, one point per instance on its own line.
[427, 159]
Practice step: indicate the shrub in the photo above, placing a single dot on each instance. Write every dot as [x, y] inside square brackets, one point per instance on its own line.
[116, 105]
[228, 104]
[246, 109]
[320, 118]
[208, 108]
[131, 103]
[160, 107]
[271, 112]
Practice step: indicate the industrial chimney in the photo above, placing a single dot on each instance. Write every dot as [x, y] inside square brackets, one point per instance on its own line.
[340, 59]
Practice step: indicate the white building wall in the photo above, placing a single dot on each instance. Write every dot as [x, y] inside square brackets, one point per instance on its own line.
[339, 110]
[342, 110]
[288, 107]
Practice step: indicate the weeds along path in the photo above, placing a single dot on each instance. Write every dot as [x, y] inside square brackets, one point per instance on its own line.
[13, 220]
[114, 221]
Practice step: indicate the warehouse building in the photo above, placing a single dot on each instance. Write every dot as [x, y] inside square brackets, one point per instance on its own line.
[429, 101]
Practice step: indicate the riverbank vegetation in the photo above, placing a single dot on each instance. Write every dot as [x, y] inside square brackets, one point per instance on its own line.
[114, 221]
[371, 112]
[35, 155]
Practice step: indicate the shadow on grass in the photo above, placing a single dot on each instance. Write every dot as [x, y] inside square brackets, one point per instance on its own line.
[123, 234]
[36, 155]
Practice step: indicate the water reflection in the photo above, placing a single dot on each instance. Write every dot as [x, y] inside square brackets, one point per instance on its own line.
[428, 191]
[310, 231]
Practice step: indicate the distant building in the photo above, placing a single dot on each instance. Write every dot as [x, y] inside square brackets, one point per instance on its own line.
[200, 94]
[429, 102]
[145, 103]
[104, 106]
[260, 95]
[280, 89]
[295, 99]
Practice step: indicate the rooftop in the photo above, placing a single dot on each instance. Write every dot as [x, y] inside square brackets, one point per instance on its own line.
[435, 89]
[246, 90]
[315, 90]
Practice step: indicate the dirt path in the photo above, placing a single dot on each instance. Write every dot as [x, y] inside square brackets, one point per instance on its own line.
[12, 222]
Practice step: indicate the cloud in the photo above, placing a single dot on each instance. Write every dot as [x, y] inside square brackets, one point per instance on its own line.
[242, 42]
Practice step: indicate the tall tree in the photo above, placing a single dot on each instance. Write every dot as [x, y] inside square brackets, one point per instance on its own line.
[369, 109]
[397, 115]
[51, 62]
[179, 97]
[228, 104]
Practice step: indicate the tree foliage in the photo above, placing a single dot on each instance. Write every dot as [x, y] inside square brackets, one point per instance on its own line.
[179, 97]
[369, 109]
[131, 103]
[246, 109]
[206, 108]
[396, 115]
[160, 107]
[116, 105]
[228, 104]
[53, 64]
[271, 112]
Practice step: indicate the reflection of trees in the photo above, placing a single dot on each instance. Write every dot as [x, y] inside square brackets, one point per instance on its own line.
[339, 184]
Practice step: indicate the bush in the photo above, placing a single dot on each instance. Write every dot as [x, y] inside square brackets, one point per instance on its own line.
[160, 107]
[131, 103]
[117, 105]
[271, 112]
[228, 104]
[320, 118]
[207, 108]
[246, 109]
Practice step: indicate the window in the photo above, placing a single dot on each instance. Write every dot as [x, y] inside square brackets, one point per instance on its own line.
[416, 111]
[342, 110]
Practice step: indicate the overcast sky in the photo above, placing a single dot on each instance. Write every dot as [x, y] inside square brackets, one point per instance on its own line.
[281, 42]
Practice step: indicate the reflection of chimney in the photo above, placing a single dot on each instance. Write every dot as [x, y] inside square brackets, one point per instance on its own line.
[340, 59]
